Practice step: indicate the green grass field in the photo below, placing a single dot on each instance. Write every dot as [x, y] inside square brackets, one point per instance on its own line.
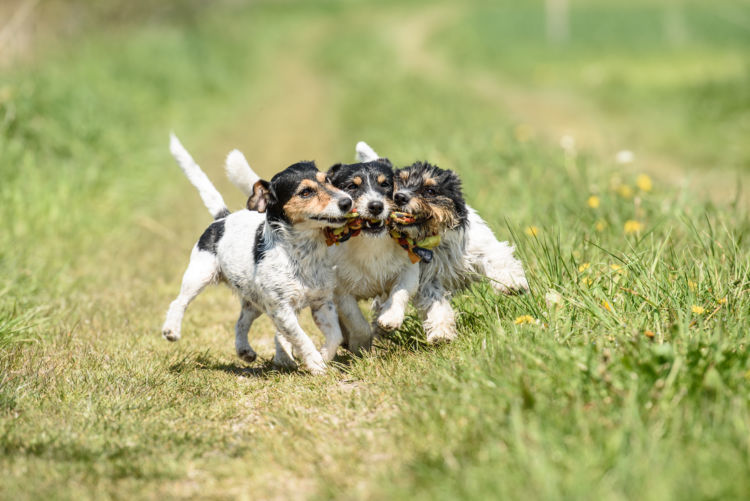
[624, 374]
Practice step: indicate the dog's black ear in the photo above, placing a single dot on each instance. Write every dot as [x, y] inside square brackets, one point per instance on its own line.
[258, 201]
[334, 169]
[386, 161]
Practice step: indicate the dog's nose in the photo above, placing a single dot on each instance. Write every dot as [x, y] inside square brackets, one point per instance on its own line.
[375, 207]
[401, 198]
[345, 204]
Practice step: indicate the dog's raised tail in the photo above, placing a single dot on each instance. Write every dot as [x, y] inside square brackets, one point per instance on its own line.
[209, 194]
[365, 153]
[240, 173]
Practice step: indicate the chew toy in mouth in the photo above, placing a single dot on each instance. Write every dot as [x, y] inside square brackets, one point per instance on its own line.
[352, 228]
[417, 250]
[403, 218]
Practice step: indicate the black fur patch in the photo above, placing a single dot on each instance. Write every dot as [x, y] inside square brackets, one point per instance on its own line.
[342, 177]
[446, 188]
[259, 248]
[211, 237]
[283, 186]
[221, 215]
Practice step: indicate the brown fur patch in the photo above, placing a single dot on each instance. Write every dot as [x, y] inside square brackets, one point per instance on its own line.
[404, 175]
[357, 180]
[321, 177]
[297, 209]
[381, 178]
[439, 218]
[430, 182]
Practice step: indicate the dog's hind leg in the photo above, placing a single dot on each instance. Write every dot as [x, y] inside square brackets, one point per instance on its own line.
[202, 270]
[241, 344]
[284, 356]
[327, 321]
[288, 326]
[359, 337]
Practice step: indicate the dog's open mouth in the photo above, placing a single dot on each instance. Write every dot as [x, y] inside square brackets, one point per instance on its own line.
[334, 222]
[373, 225]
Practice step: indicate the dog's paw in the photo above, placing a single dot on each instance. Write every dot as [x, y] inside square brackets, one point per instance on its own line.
[391, 319]
[247, 354]
[170, 334]
[283, 361]
[316, 366]
[441, 335]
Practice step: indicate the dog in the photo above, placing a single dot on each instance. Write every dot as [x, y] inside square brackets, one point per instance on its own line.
[371, 265]
[485, 255]
[273, 255]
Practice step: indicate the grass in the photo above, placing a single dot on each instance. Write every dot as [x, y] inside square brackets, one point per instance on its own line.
[622, 375]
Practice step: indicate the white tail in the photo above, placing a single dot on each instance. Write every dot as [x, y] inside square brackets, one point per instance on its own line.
[365, 153]
[240, 173]
[210, 196]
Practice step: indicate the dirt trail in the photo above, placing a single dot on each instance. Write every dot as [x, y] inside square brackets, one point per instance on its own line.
[551, 114]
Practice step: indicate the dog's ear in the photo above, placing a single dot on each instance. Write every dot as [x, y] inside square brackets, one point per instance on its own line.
[333, 170]
[258, 201]
[386, 161]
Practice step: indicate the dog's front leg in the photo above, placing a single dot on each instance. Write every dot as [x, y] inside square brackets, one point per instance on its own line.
[288, 326]
[284, 356]
[360, 337]
[435, 310]
[392, 312]
[327, 321]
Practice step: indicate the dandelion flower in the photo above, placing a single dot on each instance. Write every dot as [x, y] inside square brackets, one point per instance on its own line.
[625, 191]
[600, 225]
[593, 201]
[643, 182]
[692, 285]
[583, 267]
[524, 319]
[587, 281]
[532, 231]
[606, 305]
[619, 269]
[524, 133]
[722, 300]
[698, 310]
[624, 157]
[633, 226]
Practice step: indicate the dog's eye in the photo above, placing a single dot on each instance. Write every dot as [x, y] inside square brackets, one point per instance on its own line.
[385, 184]
[306, 193]
[430, 192]
[351, 187]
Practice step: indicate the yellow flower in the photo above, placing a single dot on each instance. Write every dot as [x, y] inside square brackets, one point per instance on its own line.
[633, 226]
[532, 231]
[524, 319]
[649, 334]
[698, 310]
[619, 269]
[607, 306]
[583, 267]
[524, 133]
[722, 300]
[600, 225]
[625, 191]
[587, 281]
[643, 182]
[593, 201]
[692, 285]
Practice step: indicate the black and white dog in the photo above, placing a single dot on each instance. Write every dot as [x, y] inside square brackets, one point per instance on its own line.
[274, 256]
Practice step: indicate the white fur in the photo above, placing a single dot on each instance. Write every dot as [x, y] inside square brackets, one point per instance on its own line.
[295, 272]
[210, 196]
[239, 171]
